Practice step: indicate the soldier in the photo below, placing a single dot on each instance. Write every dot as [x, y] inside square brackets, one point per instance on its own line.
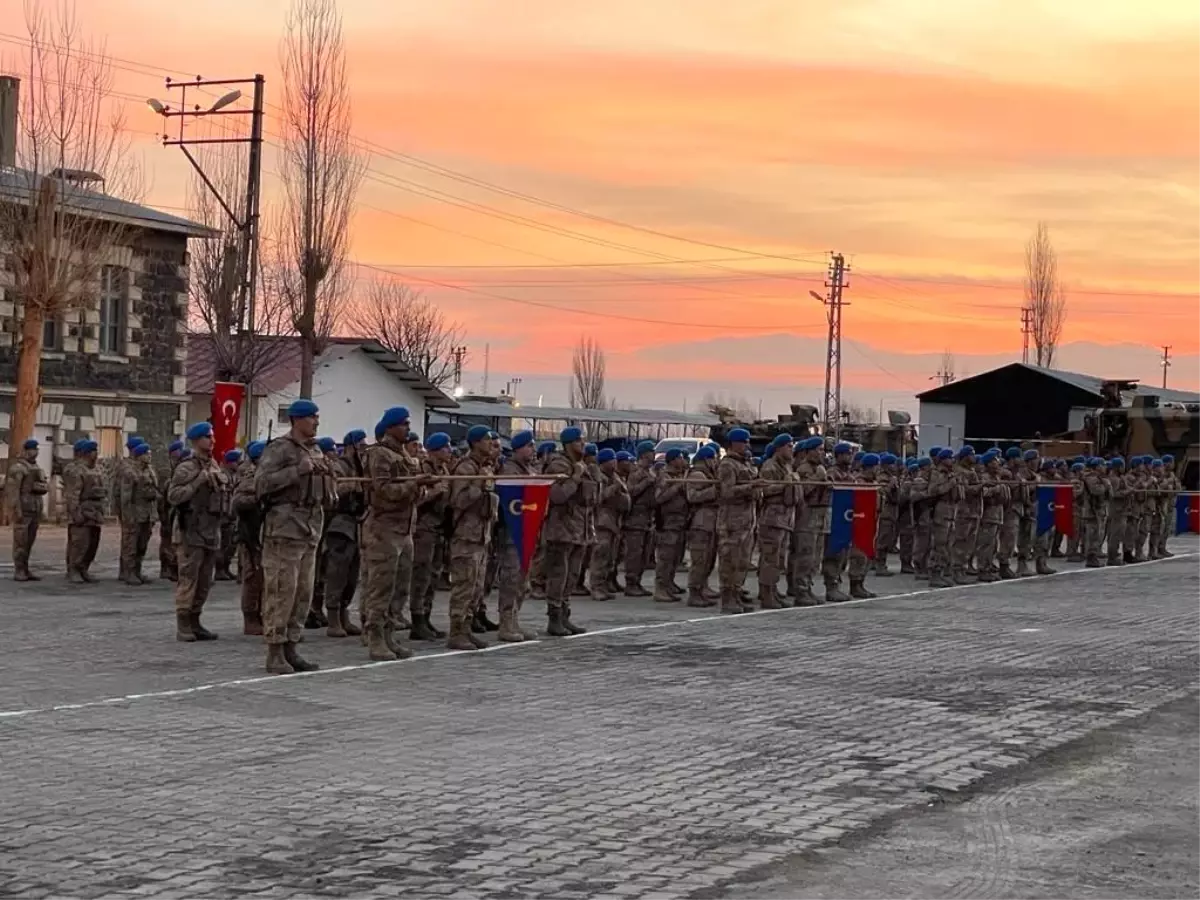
[702, 528]
[293, 482]
[737, 495]
[1096, 495]
[1170, 485]
[83, 490]
[198, 494]
[610, 518]
[812, 519]
[473, 506]
[249, 540]
[118, 475]
[889, 513]
[922, 515]
[590, 462]
[967, 514]
[1135, 480]
[340, 550]
[537, 573]
[640, 521]
[1118, 500]
[834, 563]
[1074, 551]
[857, 564]
[1038, 546]
[137, 493]
[167, 564]
[395, 489]
[671, 503]
[943, 494]
[995, 495]
[513, 583]
[565, 530]
[26, 487]
[1013, 512]
[905, 521]
[315, 616]
[225, 552]
[428, 534]
[1152, 521]
[625, 465]
[776, 519]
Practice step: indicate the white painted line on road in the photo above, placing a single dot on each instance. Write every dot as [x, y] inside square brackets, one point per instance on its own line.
[264, 679]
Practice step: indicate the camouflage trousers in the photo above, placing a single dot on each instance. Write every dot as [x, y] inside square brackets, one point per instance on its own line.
[941, 537]
[1133, 532]
[288, 571]
[468, 561]
[1152, 525]
[1027, 537]
[251, 570]
[511, 582]
[905, 532]
[428, 562]
[667, 547]
[226, 550]
[1167, 526]
[603, 567]
[168, 565]
[832, 564]
[922, 539]
[24, 534]
[195, 577]
[135, 538]
[341, 571]
[82, 543]
[885, 539]
[702, 547]
[1114, 533]
[733, 564]
[636, 542]
[1094, 528]
[563, 562]
[1009, 535]
[966, 532]
[804, 560]
[772, 549]
[537, 571]
[387, 564]
[856, 564]
[987, 541]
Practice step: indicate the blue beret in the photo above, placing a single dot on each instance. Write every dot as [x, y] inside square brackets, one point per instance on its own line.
[1095, 461]
[570, 435]
[1115, 462]
[887, 458]
[674, 453]
[379, 430]
[858, 456]
[816, 442]
[606, 455]
[1076, 467]
[757, 460]
[589, 449]
[175, 446]
[1012, 453]
[645, 447]
[1077, 459]
[233, 455]
[769, 452]
[1030, 454]
[781, 439]
[413, 436]
[945, 453]
[327, 444]
[705, 452]
[477, 433]
[546, 447]
[132, 441]
[924, 461]
[521, 439]
[397, 415]
[841, 447]
[198, 431]
[185, 453]
[1156, 464]
[934, 451]
[626, 456]
[739, 436]
[437, 441]
[139, 450]
[354, 437]
[255, 449]
[989, 455]
[90, 446]
[965, 450]
[302, 409]
[870, 460]
[30, 444]
[1167, 458]
[913, 464]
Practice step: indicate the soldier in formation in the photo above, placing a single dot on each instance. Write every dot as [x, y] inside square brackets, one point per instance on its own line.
[26, 488]
[137, 504]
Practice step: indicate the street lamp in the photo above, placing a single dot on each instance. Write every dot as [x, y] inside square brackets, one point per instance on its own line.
[458, 391]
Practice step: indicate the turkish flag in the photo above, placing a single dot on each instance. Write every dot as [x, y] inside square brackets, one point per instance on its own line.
[226, 410]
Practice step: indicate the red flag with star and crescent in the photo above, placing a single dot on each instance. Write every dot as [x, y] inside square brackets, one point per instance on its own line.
[226, 411]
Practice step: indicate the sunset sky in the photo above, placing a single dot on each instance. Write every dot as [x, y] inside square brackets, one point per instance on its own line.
[686, 166]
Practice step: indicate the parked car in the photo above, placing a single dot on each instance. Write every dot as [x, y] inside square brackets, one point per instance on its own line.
[687, 445]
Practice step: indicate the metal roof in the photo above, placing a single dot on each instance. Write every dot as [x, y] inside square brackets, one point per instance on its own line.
[398, 369]
[21, 184]
[1089, 383]
[485, 409]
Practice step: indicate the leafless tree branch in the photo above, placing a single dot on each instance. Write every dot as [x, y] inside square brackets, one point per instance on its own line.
[1044, 294]
[587, 375]
[408, 324]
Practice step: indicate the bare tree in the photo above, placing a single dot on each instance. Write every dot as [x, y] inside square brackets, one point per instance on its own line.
[1044, 295]
[729, 408]
[72, 155]
[587, 375]
[320, 171]
[408, 324]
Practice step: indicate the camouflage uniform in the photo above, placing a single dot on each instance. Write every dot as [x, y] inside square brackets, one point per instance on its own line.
[1170, 485]
[340, 546]
[387, 545]
[808, 544]
[967, 514]
[429, 550]
[1118, 502]
[227, 549]
[1136, 480]
[83, 490]
[670, 499]
[943, 492]
[1096, 494]
[1076, 542]
[249, 517]
[737, 496]
[197, 493]
[1151, 515]
[512, 583]
[473, 505]
[889, 519]
[922, 515]
[168, 565]
[137, 500]
[702, 531]
[565, 531]
[776, 521]
[1013, 512]
[293, 519]
[639, 525]
[995, 495]
[26, 487]
[610, 518]
[834, 563]
[905, 522]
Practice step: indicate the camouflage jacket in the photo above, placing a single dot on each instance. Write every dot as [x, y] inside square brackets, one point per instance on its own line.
[815, 495]
[137, 493]
[737, 495]
[670, 496]
[351, 503]
[293, 501]
[942, 492]
[566, 520]
[641, 497]
[1097, 492]
[392, 505]
[473, 504]
[970, 498]
[26, 487]
[702, 496]
[432, 509]
[198, 492]
[614, 504]
[781, 494]
[84, 493]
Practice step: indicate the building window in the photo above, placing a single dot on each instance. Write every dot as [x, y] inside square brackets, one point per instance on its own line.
[52, 334]
[112, 310]
[281, 416]
[109, 440]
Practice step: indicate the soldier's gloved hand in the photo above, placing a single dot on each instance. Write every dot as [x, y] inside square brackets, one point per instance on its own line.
[305, 466]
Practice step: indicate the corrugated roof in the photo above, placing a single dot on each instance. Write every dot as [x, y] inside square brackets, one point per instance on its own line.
[485, 409]
[1089, 383]
[21, 184]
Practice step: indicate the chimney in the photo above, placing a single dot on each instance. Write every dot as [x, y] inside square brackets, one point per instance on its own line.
[10, 91]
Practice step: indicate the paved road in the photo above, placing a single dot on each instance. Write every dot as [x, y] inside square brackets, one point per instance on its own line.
[663, 755]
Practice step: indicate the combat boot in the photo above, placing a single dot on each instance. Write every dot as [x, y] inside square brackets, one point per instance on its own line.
[509, 633]
[481, 618]
[635, 589]
[768, 600]
[202, 633]
[881, 570]
[277, 663]
[1043, 568]
[1075, 557]
[528, 633]
[377, 645]
[1130, 557]
[834, 593]
[1114, 559]
[807, 598]
[420, 630]
[568, 624]
[661, 595]
[1006, 571]
[676, 589]
[613, 586]
[555, 626]
[389, 638]
[599, 594]
[476, 641]
[252, 623]
[347, 623]
[183, 628]
[1023, 568]
[987, 576]
[579, 591]
[1093, 562]
[906, 568]
[938, 580]
[964, 577]
[296, 661]
[87, 576]
[858, 590]
[334, 629]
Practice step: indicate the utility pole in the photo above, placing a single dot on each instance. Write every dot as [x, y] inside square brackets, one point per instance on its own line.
[1026, 331]
[832, 405]
[487, 365]
[942, 377]
[1166, 363]
[460, 355]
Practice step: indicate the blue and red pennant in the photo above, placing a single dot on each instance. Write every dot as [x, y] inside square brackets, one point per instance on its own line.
[1056, 509]
[855, 514]
[1187, 514]
[523, 505]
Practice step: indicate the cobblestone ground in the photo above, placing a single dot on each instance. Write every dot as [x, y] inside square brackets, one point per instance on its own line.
[661, 755]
